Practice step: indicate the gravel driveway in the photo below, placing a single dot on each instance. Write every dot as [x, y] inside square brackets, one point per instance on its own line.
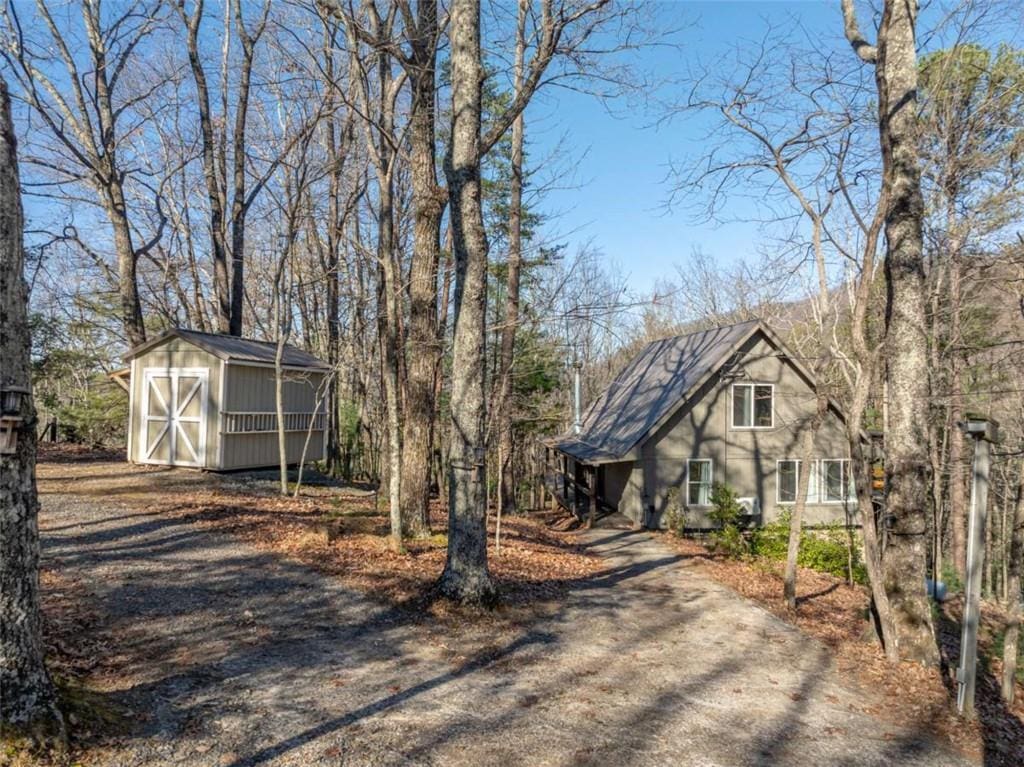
[236, 657]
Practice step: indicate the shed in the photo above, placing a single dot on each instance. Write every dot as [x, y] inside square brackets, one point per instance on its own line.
[208, 401]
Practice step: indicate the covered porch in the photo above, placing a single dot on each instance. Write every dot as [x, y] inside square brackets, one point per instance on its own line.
[584, 485]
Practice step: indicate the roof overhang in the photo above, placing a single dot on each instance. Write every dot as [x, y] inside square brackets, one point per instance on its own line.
[122, 378]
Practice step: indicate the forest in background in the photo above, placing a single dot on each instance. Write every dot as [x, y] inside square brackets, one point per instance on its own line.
[310, 173]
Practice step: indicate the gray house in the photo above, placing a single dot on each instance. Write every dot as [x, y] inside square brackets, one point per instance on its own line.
[722, 405]
[208, 401]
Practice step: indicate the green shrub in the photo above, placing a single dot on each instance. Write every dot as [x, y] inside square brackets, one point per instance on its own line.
[772, 539]
[98, 416]
[675, 516]
[725, 508]
[726, 512]
[824, 550]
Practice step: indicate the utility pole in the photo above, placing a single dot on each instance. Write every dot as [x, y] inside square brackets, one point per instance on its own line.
[984, 432]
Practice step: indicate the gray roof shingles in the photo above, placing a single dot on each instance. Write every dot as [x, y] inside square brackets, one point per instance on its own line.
[236, 349]
[654, 383]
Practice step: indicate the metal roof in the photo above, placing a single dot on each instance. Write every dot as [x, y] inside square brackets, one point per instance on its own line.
[650, 388]
[234, 349]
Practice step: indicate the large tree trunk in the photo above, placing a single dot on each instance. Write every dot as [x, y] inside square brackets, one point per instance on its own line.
[506, 480]
[27, 698]
[127, 267]
[424, 350]
[465, 577]
[906, 336]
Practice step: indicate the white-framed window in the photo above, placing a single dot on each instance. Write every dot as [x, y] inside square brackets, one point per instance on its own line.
[787, 481]
[836, 481]
[699, 474]
[753, 406]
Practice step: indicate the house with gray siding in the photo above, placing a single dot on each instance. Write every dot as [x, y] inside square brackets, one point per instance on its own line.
[726, 405]
[209, 401]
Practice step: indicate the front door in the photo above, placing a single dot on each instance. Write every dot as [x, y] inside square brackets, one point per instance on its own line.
[173, 430]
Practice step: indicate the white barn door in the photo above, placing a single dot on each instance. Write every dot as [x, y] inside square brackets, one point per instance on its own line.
[174, 405]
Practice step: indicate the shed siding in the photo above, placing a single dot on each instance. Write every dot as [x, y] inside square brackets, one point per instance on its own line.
[245, 451]
[251, 389]
[176, 354]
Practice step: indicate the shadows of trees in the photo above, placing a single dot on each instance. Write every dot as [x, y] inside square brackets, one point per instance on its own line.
[208, 629]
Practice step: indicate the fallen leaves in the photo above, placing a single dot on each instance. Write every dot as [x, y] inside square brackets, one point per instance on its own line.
[837, 614]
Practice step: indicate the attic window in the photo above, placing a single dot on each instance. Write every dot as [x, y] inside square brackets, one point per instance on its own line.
[753, 406]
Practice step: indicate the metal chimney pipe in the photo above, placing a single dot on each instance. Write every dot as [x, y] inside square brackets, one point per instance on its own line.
[576, 398]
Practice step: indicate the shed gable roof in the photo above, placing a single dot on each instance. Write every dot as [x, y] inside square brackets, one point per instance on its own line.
[652, 386]
[234, 349]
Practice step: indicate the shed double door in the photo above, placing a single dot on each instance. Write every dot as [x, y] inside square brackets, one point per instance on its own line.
[174, 413]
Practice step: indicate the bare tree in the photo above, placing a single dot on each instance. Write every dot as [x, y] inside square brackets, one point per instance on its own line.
[907, 463]
[506, 478]
[220, 173]
[28, 701]
[84, 113]
[465, 577]
[423, 351]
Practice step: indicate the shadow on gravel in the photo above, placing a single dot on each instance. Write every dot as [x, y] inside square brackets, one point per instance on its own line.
[202, 628]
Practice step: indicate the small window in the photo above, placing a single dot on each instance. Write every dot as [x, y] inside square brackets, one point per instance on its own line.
[836, 480]
[787, 482]
[698, 483]
[752, 406]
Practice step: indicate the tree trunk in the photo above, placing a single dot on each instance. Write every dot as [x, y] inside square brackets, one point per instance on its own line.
[387, 322]
[27, 698]
[127, 267]
[861, 467]
[957, 479]
[424, 348]
[906, 336]
[214, 190]
[1013, 605]
[240, 155]
[804, 478]
[466, 577]
[507, 496]
[282, 435]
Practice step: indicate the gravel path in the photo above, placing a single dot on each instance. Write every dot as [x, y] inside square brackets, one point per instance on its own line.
[235, 657]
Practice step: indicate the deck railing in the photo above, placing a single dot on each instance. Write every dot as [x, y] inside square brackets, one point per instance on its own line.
[266, 423]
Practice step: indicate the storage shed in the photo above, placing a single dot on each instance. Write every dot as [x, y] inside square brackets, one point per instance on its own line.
[208, 401]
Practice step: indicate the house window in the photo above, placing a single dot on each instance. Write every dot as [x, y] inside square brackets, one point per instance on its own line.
[787, 482]
[836, 481]
[698, 482]
[752, 406]
[787, 479]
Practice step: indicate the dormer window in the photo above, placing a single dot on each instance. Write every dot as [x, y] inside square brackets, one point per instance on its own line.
[753, 406]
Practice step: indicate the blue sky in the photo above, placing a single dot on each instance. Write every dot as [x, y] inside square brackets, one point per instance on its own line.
[621, 163]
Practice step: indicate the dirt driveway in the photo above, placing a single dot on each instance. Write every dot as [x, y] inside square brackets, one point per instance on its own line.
[232, 656]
